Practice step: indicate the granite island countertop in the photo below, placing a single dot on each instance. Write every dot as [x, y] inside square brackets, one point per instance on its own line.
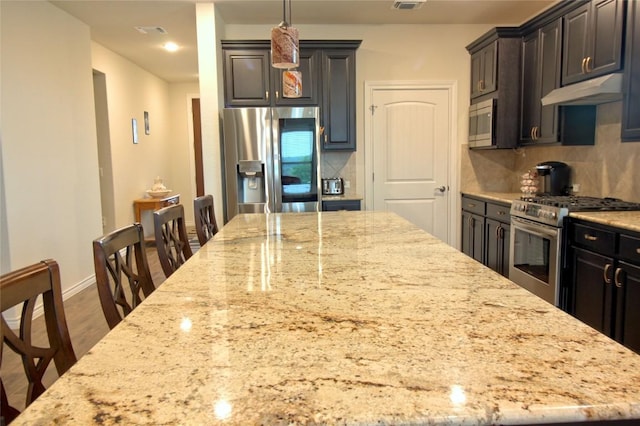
[342, 318]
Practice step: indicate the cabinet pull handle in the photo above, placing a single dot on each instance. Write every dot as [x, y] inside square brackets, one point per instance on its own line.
[266, 94]
[590, 237]
[325, 138]
[531, 133]
[501, 213]
[537, 132]
[587, 64]
[605, 275]
[616, 278]
[584, 60]
[471, 205]
[638, 250]
[498, 232]
[277, 95]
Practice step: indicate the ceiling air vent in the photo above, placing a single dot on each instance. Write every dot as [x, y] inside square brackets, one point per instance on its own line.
[408, 5]
[151, 30]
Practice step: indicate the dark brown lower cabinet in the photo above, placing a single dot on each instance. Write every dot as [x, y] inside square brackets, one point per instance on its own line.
[473, 235]
[497, 255]
[604, 281]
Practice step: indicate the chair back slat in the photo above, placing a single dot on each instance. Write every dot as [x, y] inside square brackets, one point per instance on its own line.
[172, 241]
[206, 225]
[122, 272]
[22, 288]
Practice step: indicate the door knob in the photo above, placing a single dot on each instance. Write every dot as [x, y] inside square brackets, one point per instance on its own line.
[442, 188]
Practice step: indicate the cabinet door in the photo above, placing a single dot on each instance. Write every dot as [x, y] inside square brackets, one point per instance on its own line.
[338, 99]
[593, 40]
[490, 68]
[631, 92]
[473, 235]
[530, 101]
[592, 295]
[246, 78]
[497, 246]
[476, 74]
[310, 70]
[606, 51]
[540, 75]
[549, 79]
[628, 314]
[576, 28]
[484, 70]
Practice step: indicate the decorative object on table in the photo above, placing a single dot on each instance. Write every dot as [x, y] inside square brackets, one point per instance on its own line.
[529, 184]
[292, 84]
[146, 123]
[284, 42]
[158, 190]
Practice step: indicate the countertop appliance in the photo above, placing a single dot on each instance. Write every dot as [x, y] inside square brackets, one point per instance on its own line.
[481, 124]
[271, 160]
[332, 186]
[536, 237]
[554, 178]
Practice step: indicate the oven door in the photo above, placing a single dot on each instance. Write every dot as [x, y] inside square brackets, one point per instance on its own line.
[535, 258]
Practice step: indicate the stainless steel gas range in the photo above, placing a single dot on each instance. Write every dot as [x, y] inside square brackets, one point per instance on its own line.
[536, 238]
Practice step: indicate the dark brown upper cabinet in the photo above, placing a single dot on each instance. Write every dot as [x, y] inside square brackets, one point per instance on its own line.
[484, 70]
[631, 85]
[541, 58]
[592, 40]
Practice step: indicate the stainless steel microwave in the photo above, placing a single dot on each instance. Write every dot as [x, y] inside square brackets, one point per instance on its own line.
[481, 124]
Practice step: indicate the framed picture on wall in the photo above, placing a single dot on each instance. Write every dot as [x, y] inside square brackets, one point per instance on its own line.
[146, 122]
[134, 129]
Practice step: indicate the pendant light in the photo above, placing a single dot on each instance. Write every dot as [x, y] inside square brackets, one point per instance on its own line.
[284, 42]
[292, 84]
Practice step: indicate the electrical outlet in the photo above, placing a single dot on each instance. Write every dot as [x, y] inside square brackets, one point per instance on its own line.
[347, 184]
[575, 187]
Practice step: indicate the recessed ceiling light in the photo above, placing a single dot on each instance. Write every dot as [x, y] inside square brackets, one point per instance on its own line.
[170, 46]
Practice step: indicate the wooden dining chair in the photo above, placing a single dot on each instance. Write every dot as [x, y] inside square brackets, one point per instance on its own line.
[22, 288]
[171, 238]
[206, 225]
[122, 272]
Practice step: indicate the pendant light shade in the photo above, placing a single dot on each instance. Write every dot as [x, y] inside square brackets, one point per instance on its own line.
[292, 84]
[284, 43]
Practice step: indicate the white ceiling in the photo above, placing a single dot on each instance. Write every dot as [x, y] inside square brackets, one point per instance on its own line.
[112, 22]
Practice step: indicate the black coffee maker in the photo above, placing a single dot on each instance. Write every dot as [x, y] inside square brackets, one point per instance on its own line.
[555, 178]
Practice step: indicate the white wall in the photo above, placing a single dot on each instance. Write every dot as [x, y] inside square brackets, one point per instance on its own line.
[50, 181]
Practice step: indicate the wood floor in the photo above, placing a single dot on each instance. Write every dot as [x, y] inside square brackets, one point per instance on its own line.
[86, 326]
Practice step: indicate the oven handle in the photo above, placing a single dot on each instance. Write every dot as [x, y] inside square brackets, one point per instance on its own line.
[538, 229]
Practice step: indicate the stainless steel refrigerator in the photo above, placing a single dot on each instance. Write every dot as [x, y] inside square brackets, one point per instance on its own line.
[271, 160]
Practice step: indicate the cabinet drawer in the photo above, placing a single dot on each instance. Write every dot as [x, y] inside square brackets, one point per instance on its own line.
[473, 205]
[333, 206]
[594, 239]
[498, 212]
[630, 248]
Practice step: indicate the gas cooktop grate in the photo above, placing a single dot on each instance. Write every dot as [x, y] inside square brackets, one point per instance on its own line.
[583, 204]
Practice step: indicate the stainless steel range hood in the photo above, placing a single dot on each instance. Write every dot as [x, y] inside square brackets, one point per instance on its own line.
[599, 90]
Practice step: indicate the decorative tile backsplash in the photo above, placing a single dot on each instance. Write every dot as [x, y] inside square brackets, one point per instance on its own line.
[610, 168]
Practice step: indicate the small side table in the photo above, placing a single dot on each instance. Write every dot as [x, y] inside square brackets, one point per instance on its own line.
[153, 204]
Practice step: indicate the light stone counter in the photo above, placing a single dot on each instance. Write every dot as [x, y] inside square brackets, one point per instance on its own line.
[501, 197]
[620, 219]
[342, 318]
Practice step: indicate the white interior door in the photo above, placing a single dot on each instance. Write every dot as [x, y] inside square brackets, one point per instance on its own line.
[410, 142]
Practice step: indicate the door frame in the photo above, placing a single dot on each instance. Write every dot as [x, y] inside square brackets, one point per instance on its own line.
[451, 86]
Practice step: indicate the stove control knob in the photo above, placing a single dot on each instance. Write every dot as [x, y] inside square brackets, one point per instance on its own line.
[553, 215]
